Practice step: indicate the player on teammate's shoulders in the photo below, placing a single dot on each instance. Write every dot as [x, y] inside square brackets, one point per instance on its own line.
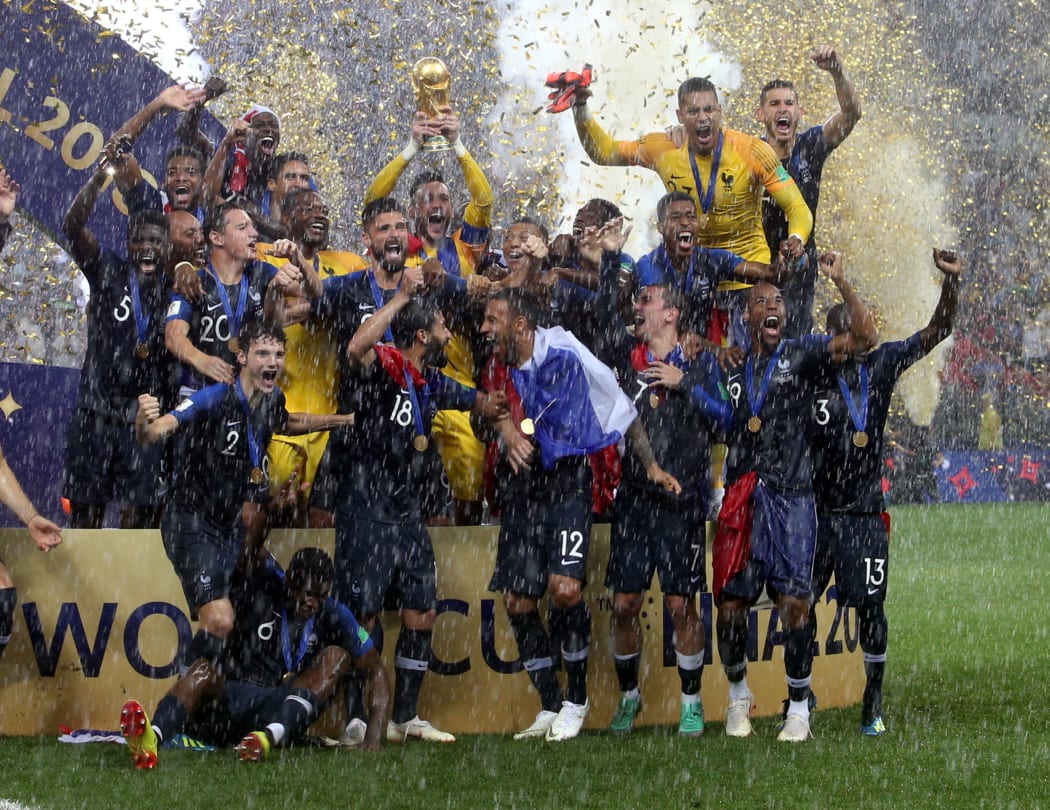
[803, 155]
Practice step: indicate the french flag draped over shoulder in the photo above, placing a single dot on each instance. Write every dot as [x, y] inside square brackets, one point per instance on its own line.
[572, 396]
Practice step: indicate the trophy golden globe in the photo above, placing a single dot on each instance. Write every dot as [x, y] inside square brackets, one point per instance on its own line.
[431, 80]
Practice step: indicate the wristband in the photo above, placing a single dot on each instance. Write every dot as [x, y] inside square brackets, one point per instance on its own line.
[410, 151]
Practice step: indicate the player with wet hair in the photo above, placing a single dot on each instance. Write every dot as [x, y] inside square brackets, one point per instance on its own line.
[380, 464]
[803, 156]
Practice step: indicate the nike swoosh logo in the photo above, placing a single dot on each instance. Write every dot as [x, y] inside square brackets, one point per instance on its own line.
[569, 562]
[694, 580]
[872, 591]
[214, 306]
[366, 306]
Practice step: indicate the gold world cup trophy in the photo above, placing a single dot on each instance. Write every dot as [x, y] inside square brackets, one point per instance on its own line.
[431, 80]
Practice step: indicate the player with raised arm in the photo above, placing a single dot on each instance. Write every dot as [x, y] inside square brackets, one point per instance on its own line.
[853, 538]
[125, 356]
[803, 156]
[228, 427]
[767, 525]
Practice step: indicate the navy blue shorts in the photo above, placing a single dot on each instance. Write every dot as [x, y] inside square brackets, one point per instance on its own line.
[651, 534]
[104, 461]
[373, 558]
[323, 491]
[856, 548]
[244, 708]
[539, 538]
[204, 556]
[783, 542]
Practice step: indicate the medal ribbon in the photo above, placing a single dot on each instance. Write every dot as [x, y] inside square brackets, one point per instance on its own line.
[141, 320]
[234, 318]
[286, 642]
[253, 440]
[642, 358]
[410, 384]
[756, 403]
[707, 198]
[377, 295]
[668, 268]
[859, 416]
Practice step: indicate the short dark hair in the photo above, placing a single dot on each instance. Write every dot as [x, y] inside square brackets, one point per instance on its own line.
[292, 198]
[837, 321]
[383, 205]
[520, 303]
[417, 314]
[149, 216]
[283, 160]
[261, 329]
[607, 211]
[700, 84]
[535, 223]
[185, 151]
[667, 199]
[422, 179]
[215, 219]
[777, 84]
[309, 566]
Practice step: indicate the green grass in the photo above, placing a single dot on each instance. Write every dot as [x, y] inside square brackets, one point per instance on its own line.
[966, 704]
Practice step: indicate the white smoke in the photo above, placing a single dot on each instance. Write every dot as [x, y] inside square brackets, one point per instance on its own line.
[159, 33]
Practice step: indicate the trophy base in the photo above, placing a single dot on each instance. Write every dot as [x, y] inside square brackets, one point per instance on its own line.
[436, 143]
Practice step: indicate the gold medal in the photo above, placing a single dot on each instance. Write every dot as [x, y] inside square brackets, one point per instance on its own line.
[527, 427]
[233, 345]
[860, 439]
[754, 424]
[257, 476]
[142, 350]
[654, 400]
[420, 442]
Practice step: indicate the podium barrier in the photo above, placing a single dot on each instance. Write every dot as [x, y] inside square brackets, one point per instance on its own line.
[100, 620]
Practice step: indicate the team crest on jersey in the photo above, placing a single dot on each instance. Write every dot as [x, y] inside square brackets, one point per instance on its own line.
[255, 296]
[173, 309]
[727, 181]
